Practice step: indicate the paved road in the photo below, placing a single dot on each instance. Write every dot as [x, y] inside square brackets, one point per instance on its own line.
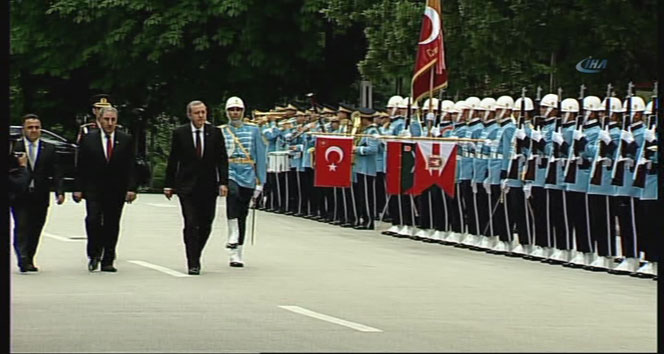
[312, 287]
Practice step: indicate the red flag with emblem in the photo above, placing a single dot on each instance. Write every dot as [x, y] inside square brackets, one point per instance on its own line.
[400, 167]
[430, 72]
[435, 164]
[333, 166]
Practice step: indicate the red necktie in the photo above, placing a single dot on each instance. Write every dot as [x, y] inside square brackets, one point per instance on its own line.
[109, 148]
[199, 153]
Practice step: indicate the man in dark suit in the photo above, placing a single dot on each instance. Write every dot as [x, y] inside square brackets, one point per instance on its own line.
[105, 179]
[197, 172]
[30, 207]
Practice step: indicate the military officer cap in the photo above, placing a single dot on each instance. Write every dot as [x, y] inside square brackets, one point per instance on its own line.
[101, 100]
[344, 107]
[367, 112]
[327, 109]
[290, 107]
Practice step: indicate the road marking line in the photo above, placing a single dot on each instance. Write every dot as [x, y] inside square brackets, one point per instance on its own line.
[64, 239]
[160, 268]
[162, 205]
[320, 316]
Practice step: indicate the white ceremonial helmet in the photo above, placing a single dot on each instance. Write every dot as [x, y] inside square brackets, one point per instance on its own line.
[528, 106]
[394, 101]
[638, 104]
[403, 103]
[448, 106]
[615, 106]
[549, 100]
[569, 105]
[434, 103]
[504, 102]
[487, 104]
[592, 103]
[461, 105]
[234, 102]
[473, 102]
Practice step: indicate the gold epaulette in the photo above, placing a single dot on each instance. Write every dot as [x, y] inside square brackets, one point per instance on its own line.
[221, 126]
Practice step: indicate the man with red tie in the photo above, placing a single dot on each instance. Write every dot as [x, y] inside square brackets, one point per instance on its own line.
[105, 179]
[197, 171]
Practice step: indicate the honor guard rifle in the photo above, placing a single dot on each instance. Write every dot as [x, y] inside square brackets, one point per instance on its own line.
[649, 147]
[571, 166]
[552, 171]
[531, 165]
[598, 165]
[408, 116]
[513, 170]
[439, 116]
[314, 108]
[623, 148]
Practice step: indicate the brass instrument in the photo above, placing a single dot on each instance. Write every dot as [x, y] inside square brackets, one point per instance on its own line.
[356, 121]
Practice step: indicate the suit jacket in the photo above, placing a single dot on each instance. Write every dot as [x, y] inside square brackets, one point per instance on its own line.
[185, 170]
[47, 172]
[96, 177]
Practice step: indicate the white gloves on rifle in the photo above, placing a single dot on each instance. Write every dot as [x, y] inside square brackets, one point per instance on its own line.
[527, 190]
[430, 116]
[520, 133]
[536, 135]
[557, 138]
[473, 185]
[435, 131]
[627, 136]
[487, 186]
[257, 191]
[605, 137]
[649, 135]
[578, 134]
[504, 186]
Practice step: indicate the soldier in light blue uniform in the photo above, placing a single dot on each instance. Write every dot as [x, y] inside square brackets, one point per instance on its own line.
[310, 200]
[382, 122]
[295, 140]
[458, 210]
[364, 168]
[601, 199]
[247, 174]
[631, 143]
[430, 199]
[271, 133]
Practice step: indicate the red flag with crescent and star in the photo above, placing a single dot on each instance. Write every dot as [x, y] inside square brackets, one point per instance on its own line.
[333, 166]
[430, 72]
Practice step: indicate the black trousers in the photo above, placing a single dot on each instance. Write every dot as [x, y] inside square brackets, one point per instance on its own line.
[626, 210]
[309, 201]
[282, 191]
[518, 216]
[559, 228]
[440, 205]
[456, 210]
[294, 191]
[198, 210]
[541, 218]
[237, 206]
[270, 191]
[497, 219]
[578, 209]
[102, 225]
[364, 194]
[424, 208]
[29, 218]
[483, 210]
[603, 224]
[647, 228]
[380, 196]
[470, 217]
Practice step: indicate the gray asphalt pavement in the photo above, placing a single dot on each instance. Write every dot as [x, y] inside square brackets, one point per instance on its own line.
[312, 287]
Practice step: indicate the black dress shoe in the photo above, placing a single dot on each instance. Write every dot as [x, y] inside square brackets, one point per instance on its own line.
[31, 268]
[388, 233]
[194, 270]
[231, 245]
[93, 264]
[347, 225]
[337, 222]
[237, 264]
[363, 227]
[108, 268]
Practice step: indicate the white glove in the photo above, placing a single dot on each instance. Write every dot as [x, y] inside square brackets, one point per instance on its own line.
[649, 135]
[557, 138]
[578, 134]
[435, 131]
[504, 186]
[527, 190]
[473, 185]
[627, 136]
[487, 186]
[257, 191]
[520, 133]
[430, 116]
[405, 133]
[536, 135]
[605, 136]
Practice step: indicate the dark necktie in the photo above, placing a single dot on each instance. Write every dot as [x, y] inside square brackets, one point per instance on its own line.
[109, 147]
[199, 151]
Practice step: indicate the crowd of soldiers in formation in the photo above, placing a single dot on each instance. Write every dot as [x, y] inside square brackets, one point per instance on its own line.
[562, 181]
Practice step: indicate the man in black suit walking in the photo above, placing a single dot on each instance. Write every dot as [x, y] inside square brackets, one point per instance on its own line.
[105, 179]
[30, 207]
[197, 172]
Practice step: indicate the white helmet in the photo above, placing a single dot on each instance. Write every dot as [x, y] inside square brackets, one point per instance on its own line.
[549, 100]
[637, 104]
[448, 106]
[569, 105]
[615, 106]
[648, 108]
[234, 102]
[394, 101]
[461, 105]
[487, 104]
[592, 103]
[528, 104]
[403, 103]
[504, 102]
[434, 104]
[473, 102]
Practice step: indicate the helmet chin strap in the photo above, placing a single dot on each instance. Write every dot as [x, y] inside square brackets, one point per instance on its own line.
[548, 110]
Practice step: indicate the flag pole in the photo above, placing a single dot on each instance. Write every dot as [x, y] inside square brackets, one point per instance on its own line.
[430, 99]
[394, 137]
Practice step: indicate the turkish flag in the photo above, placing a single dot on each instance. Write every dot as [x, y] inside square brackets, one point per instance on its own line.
[333, 161]
[430, 73]
[400, 167]
[435, 163]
